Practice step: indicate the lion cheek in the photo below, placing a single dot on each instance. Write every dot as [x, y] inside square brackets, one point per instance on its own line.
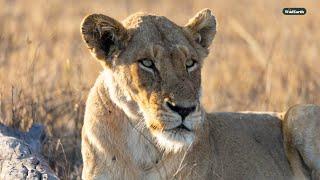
[155, 126]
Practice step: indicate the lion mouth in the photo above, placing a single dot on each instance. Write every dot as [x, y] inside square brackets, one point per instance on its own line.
[182, 127]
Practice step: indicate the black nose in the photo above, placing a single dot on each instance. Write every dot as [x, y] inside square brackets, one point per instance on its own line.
[182, 111]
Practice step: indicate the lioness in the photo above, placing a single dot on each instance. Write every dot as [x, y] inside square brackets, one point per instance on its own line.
[144, 120]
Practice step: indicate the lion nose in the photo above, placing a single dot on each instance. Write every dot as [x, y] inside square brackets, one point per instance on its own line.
[182, 111]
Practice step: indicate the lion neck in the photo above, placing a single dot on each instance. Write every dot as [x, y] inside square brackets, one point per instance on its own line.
[141, 145]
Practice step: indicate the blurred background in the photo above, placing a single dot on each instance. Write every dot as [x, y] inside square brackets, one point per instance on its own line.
[261, 60]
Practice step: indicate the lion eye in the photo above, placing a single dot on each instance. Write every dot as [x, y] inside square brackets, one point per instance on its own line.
[191, 64]
[146, 63]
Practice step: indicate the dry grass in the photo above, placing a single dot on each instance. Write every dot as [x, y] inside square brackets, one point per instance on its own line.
[260, 60]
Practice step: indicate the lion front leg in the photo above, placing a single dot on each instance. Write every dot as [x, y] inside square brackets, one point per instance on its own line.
[301, 131]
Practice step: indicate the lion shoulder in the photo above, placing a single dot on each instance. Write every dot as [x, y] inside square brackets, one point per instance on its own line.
[252, 128]
[302, 138]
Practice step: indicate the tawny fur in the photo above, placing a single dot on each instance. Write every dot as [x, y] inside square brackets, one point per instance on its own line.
[127, 131]
[302, 140]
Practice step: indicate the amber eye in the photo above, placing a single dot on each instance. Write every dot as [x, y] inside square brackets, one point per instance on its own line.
[191, 64]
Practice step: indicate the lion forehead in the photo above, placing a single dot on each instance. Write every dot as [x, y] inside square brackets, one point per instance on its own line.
[146, 29]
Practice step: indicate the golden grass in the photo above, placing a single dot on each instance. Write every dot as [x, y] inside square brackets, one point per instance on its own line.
[260, 60]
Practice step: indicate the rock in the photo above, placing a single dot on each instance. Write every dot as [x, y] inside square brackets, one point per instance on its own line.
[20, 157]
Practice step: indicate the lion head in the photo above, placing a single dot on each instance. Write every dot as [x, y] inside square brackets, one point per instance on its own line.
[153, 70]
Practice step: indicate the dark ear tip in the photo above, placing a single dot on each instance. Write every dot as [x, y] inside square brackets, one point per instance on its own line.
[208, 14]
[88, 22]
[203, 27]
[87, 19]
[88, 27]
[92, 19]
[206, 11]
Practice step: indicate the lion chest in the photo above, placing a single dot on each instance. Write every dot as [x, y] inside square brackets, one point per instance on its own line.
[144, 153]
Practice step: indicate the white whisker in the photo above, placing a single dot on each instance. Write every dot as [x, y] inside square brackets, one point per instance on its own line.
[196, 114]
[196, 118]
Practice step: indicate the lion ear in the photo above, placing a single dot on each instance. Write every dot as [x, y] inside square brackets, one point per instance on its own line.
[104, 36]
[202, 27]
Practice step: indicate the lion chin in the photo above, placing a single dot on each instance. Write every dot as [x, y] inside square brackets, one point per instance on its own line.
[174, 140]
